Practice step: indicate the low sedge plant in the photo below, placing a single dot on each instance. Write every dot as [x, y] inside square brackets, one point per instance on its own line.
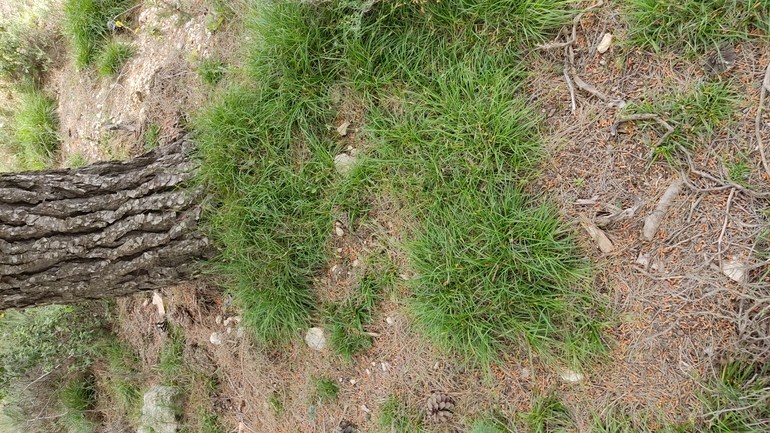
[112, 56]
[35, 131]
[86, 25]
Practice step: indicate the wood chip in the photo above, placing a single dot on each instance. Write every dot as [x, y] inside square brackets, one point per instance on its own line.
[596, 234]
[343, 129]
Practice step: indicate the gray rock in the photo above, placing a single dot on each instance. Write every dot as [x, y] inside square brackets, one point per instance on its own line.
[161, 406]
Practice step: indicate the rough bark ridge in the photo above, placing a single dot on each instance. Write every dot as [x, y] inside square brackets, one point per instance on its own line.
[102, 231]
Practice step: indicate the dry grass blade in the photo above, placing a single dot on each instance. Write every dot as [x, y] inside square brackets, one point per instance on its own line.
[758, 120]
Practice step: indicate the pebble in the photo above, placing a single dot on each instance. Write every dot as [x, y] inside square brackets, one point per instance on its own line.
[217, 338]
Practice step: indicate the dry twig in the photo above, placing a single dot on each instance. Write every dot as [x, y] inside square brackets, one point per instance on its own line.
[722, 184]
[644, 116]
[758, 120]
[652, 222]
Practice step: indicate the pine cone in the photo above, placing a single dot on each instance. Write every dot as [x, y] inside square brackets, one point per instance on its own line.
[345, 427]
[439, 407]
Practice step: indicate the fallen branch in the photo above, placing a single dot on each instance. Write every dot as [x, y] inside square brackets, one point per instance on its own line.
[722, 184]
[596, 234]
[724, 228]
[625, 213]
[582, 85]
[652, 222]
[644, 116]
[758, 120]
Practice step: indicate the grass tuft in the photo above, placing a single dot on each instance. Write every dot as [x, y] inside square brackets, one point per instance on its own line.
[697, 115]
[78, 397]
[325, 389]
[112, 57]
[345, 321]
[35, 134]
[86, 25]
[548, 414]
[697, 26]
[396, 416]
[739, 399]
[211, 70]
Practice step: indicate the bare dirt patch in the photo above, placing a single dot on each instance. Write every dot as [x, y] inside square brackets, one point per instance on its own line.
[107, 117]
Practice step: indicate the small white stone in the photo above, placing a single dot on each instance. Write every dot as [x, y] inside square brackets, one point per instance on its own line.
[605, 43]
[390, 320]
[368, 371]
[315, 338]
[384, 366]
[571, 376]
[356, 262]
[352, 381]
[218, 319]
[365, 409]
[338, 230]
[217, 338]
[158, 302]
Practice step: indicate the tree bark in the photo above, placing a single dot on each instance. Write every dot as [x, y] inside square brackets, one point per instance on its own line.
[102, 231]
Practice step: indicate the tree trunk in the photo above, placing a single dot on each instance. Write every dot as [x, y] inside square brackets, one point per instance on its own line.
[102, 231]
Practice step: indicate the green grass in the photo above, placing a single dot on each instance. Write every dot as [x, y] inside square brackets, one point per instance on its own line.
[35, 135]
[490, 425]
[453, 143]
[211, 70]
[76, 160]
[739, 399]
[152, 136]
[325, 389]
[124, 378]
[548, 415]
[171, 365]
[345, 320]
[695, 26]
[697, 114]
[85, 25]
[77, 398]
[396, 416]
[112, 56]
[24, 45]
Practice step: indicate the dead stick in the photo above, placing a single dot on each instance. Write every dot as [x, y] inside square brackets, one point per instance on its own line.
[571, 88]
[652, 222]
[758, 120]
[644, 116]
[723, 185]
[724, 228]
